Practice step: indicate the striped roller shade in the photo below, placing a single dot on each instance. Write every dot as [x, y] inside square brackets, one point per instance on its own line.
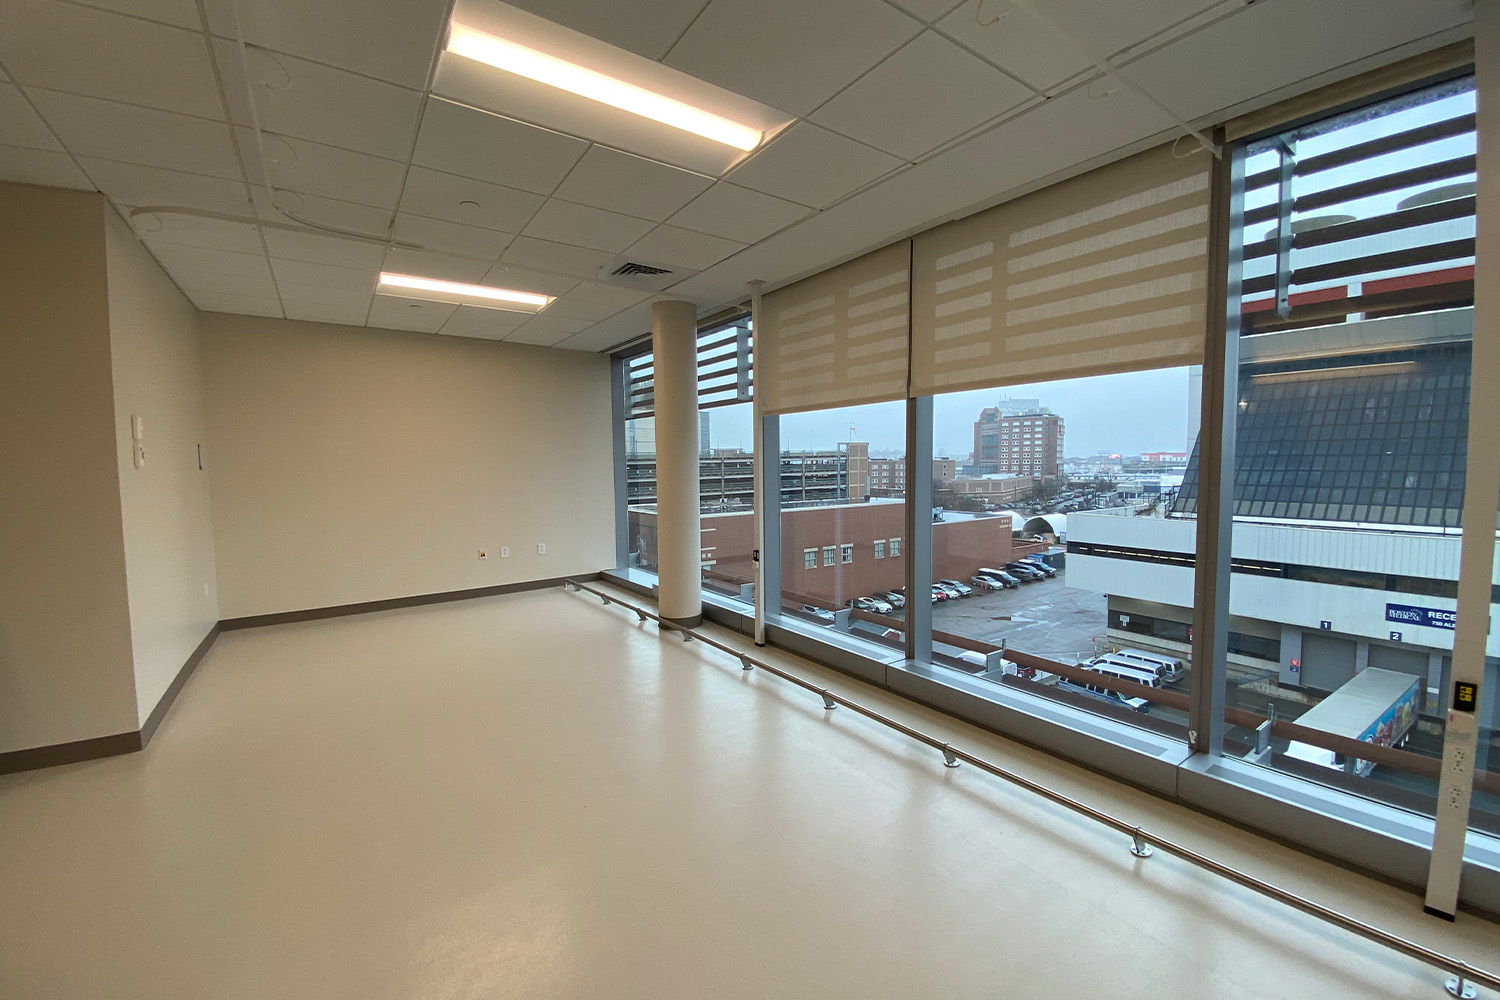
[837, 338]
[1105, 272]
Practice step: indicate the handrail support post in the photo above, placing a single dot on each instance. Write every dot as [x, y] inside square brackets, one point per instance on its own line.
[949, 758]
[828, 703]
[1138, 845]
[1460, 987]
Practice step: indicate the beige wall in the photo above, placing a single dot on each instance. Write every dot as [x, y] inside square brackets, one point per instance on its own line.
[65, 648]
[354, 465]
[165, 508]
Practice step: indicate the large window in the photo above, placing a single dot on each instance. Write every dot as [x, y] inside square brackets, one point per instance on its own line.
[827, 498]
[726, 459]
[1054, 482]
[1352, 418]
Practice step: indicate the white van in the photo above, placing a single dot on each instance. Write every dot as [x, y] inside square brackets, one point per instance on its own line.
[1141, 673]
[1104, 694]
[1171, 667]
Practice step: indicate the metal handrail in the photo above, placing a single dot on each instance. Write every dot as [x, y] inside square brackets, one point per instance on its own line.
[1142, 843]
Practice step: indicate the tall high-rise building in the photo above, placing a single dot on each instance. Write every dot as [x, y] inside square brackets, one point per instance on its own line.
[1017, 439]
[704, 446]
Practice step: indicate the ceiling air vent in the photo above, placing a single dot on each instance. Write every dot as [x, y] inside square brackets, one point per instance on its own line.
[632, 268]
[642, 275]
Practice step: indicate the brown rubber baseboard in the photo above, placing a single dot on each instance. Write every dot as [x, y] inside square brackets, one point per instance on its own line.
[395, 603]
[110, 746]
[69, 753]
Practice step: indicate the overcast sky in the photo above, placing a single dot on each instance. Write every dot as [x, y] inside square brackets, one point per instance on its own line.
[1129, 413]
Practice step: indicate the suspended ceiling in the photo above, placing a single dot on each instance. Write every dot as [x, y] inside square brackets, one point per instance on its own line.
[375, 151]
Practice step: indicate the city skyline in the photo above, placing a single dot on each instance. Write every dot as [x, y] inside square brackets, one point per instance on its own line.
[1128, 413]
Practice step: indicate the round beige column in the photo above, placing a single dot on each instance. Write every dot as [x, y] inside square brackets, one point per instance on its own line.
[679, 539]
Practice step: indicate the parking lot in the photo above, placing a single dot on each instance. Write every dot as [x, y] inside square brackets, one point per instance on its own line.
[1047, 618]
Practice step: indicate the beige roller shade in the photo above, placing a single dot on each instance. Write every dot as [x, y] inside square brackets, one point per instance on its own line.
[1105, 272]
[837, 338]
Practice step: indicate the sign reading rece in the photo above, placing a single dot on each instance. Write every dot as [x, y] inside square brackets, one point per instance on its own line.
[1410, 615]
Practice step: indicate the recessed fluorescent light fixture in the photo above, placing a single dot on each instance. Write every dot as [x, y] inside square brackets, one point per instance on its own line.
[412, 287]
[492, 51]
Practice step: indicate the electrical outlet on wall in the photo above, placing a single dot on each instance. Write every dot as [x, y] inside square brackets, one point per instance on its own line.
[505, 552]
[1460, 757]
[541, 548]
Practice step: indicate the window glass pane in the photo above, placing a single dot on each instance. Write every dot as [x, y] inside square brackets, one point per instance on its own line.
[1350, 398]
[1062, 546]
[725, 460]
[835, 467]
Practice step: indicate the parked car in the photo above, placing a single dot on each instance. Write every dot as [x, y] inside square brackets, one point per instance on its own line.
[952, 592]
[1041, 567]
[821, 614]
[985, 583]
[870, 604]
[1023, 572]
[1000, 576]
[964, 590]
[894, 599]
[938, 594]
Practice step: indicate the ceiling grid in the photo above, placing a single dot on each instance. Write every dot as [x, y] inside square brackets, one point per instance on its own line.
[883, 116]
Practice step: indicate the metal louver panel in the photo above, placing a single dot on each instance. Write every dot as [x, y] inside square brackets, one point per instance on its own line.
[725, 371]
[1365, 214]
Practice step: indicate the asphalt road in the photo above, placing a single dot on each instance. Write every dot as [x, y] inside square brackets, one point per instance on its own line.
[1046, 617]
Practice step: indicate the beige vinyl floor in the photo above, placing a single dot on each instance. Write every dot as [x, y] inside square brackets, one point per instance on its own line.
[534, 796]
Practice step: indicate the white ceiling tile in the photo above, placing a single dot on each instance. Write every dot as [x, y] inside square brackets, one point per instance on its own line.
[19, 125]
[441, 196]
[41, 166]
[929, 10]
[538, 336]
[108, 130]
[580, 225]
[243, 305]
[607, 178]
[315, 248]
[473, 143]
[391, 41]
[926, 94]
[193, 231]
[450, 237]
[559, 326]
[310, 211]
[432, 265]
[613, 296]
[1267, 46]
[303, 100]
[791, 54]
[131, 184]
[521, 280]
[570, 308]
[327, 171]
[182, 13]
[738, 213]
[391, 313]
[1032, 51]
[195, 282]
[813, 166]
[647, 27]
[611, 332]
[484, 324]
[301, 272]
[527, 251]
[343, 298]
[177, 258]
[1109, 26]
[683, 248]
[323, 312]
[94, 52]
